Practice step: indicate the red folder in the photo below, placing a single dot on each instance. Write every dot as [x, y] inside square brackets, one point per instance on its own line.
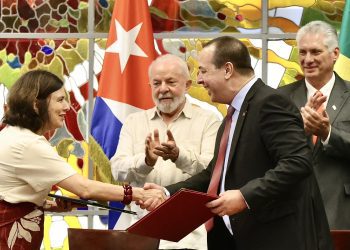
[179, 215]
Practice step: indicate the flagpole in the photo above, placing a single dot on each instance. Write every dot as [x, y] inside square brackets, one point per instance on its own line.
[91, 28]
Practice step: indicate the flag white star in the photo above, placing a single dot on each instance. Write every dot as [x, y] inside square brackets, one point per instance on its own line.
[125, 44]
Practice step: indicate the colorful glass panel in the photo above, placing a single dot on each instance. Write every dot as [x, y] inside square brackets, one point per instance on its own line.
[288, 16]
[283, 67]
[193, 15]
[237, 16]
[43, 16]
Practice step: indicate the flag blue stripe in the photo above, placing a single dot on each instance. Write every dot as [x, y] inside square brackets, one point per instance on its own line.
[113, 216]
[105, 127]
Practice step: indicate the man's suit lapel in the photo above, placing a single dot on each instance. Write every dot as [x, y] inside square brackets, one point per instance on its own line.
[241, 118]
[339, 95]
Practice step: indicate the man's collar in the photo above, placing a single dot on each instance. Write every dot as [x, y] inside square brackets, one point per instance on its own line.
[326, 89]
[239, 98]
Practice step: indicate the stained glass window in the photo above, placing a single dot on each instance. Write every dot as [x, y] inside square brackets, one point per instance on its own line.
[43, 16]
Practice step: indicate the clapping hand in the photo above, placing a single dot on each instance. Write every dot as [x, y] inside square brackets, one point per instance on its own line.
[168, 150]
[316, 101]
[315, 117]
[151, 144]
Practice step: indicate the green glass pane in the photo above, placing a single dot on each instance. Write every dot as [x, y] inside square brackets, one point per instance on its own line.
[103, 15]
[287, 16]
[45, 16]
[283, 66]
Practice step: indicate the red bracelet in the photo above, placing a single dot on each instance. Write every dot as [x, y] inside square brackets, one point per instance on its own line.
[127, 194]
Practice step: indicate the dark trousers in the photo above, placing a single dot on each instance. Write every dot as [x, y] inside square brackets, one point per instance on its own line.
[219, 238]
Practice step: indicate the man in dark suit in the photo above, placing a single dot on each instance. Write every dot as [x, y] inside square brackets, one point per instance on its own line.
[324, 99]
[267, 183]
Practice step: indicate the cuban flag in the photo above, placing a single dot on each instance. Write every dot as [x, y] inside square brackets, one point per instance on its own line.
[123, 86]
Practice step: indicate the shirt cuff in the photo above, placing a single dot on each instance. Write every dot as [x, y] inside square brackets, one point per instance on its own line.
[166, 192]
[244, 200]
[181, 159]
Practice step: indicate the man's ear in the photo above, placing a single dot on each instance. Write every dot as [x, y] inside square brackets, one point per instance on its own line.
[336, 53]
[188, 84]
[35, 106]
[229, 68]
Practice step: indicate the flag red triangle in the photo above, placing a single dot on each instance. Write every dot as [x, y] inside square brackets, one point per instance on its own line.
[129, 84]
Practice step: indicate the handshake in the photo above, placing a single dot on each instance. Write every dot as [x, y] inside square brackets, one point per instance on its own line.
[148, 197]
[153, 196]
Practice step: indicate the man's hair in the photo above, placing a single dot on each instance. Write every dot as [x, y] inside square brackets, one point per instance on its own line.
[230, 49]
[319, 27]
[181, 63]
[32, 87]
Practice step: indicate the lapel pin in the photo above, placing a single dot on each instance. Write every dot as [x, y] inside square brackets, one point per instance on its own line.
[334, 107]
